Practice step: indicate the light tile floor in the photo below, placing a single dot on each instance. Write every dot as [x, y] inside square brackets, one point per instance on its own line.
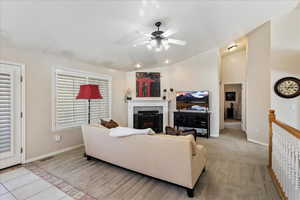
[22, 184]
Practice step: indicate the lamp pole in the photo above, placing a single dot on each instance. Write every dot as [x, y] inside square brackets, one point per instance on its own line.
[89, 114]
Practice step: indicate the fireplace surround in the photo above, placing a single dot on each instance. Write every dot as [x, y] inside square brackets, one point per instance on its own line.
[148, 117]
[140, 113]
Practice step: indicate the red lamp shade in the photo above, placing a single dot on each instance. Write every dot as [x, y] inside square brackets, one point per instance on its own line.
[89, 92]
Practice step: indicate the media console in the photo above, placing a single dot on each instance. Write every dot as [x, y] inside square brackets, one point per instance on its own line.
[193, 120]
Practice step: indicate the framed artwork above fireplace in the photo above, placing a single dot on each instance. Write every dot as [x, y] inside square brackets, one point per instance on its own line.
[147, 84]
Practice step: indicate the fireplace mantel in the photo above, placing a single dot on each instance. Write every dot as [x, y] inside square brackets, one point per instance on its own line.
[147, 103]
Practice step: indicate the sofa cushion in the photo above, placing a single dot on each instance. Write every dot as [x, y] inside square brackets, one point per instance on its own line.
[186, 137]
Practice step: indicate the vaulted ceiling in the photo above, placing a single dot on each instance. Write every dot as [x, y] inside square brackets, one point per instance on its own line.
[103, 32]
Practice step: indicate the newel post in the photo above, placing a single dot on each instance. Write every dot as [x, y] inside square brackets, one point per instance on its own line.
[272, 118]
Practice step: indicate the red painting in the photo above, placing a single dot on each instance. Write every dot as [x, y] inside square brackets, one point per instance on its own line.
[147, 84]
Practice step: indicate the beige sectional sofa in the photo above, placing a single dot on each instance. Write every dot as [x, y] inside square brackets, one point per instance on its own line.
[175, 159]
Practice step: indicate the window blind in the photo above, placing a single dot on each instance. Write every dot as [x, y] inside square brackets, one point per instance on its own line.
[100, 108]
[5, 112]
[72, 112]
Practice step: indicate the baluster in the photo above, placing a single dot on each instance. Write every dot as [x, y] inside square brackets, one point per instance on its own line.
[285, 158]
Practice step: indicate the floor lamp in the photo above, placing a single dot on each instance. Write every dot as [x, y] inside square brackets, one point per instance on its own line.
[89, 92]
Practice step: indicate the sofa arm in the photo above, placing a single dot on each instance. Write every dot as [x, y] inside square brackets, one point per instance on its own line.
[190, 131]
[198, 162]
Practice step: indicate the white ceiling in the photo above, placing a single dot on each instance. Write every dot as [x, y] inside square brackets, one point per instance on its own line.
[103, 32]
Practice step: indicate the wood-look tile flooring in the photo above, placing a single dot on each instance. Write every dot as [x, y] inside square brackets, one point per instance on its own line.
[236, 170]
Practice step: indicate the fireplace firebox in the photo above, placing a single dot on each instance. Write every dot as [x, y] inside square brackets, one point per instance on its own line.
[149, 119]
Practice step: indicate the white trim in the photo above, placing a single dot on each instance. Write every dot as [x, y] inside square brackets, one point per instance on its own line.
[75, 72]
[233, 83]
[257, 142]
[23, 107]
[54, 153]
[244, 102]
[147, 103]
[215, 136]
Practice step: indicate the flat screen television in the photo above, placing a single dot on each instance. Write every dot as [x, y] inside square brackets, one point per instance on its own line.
[192, 100]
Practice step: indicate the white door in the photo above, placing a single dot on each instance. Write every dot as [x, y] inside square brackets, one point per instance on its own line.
[10, 115]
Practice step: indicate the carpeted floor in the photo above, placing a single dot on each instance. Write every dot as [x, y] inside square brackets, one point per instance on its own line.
[236, 171]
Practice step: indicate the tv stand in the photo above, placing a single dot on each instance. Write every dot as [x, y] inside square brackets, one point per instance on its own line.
[193, 120]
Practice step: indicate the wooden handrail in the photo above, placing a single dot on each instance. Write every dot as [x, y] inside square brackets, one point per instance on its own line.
[290, 130]
[295, 132]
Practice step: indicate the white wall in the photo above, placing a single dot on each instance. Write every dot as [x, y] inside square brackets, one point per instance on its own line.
[39, 136]
[233, 68]
[201, 72]
[285, 60]
[258, 84]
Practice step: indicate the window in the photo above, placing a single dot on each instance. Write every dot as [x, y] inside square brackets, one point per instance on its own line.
[72, 112]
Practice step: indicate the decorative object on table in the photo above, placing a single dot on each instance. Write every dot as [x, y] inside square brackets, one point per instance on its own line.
[172, 131]
[230, 112]
[89, 92]
[147, 84]
[288, 87]
[164, 94]
[230, 96]
[128, 95]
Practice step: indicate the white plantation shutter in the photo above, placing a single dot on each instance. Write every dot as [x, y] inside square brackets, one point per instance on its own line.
[72, 112]
[100, 108]
[5, 112]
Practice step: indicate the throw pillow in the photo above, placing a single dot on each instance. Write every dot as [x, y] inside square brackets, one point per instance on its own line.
[109, 124]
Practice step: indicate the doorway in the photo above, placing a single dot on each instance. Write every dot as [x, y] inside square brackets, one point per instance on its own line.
[11, 115]
[233, 107]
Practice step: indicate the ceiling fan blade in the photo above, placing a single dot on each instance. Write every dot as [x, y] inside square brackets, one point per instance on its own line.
[169, 33]
[139, 43]
[178, 42]
[148, 35]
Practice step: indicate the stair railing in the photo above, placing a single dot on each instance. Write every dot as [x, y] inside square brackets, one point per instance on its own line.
[284, 158]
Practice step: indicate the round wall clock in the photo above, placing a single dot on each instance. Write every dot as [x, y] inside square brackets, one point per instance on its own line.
[288, 87]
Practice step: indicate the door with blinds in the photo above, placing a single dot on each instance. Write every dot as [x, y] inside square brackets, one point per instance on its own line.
[10, 115]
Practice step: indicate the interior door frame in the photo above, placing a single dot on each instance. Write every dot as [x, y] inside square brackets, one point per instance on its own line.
[244, 103]
[23, 107]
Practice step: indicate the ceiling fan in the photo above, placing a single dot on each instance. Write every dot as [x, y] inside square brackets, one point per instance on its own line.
[158, 40]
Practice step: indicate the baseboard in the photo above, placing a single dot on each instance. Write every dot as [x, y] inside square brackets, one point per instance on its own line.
[53, 153]
[215, 136]
[257, 142]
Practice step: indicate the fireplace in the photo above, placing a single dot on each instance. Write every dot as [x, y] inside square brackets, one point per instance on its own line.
[144, 113]
[148, 117]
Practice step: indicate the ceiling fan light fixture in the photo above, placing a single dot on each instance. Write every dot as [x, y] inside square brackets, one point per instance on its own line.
[159, 40]
[167, 46]
[164, 41]
[153, 42]
[232, 47]
[158, 49]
